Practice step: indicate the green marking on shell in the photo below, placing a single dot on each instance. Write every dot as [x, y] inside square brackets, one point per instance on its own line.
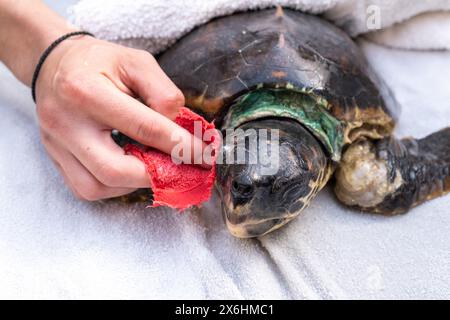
[306, 108]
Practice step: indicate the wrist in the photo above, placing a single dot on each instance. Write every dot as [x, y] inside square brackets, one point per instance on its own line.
[61, 45]
[25, 32]
[37, 49]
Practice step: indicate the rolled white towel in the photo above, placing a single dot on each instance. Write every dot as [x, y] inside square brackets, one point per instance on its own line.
[429, 31]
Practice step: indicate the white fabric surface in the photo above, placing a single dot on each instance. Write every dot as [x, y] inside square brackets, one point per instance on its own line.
[434, 33]
[53, 246]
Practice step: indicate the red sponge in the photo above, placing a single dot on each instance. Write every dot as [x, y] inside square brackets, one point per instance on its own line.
[179, 185]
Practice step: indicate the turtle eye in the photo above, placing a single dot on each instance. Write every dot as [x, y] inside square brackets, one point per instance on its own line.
[279, 183]
[303, 164]
[241, 189]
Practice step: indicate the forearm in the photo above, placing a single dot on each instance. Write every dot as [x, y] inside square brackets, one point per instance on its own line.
[27, 28]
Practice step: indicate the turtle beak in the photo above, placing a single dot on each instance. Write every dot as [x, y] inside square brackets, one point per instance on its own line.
[241, 225]
[257, 229]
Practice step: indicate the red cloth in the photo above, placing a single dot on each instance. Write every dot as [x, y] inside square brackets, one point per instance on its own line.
[179, 185]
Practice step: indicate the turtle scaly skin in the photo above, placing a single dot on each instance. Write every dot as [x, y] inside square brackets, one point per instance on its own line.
[391, 176]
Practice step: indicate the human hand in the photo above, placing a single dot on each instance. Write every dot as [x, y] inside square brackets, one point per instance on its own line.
[86, 88]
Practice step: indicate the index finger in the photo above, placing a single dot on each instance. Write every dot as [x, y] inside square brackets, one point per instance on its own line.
[145, 125]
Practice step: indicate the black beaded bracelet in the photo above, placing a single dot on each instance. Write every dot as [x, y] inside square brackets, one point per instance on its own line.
[46, 54]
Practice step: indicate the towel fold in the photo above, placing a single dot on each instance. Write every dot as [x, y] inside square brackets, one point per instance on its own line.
[427, 31]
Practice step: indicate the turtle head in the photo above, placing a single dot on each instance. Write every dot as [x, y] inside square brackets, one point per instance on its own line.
[265, 192]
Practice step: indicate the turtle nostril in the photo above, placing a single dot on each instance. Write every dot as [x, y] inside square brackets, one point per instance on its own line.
[241, 189]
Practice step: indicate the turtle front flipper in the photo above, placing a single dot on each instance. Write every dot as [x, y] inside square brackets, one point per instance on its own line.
[390, 176]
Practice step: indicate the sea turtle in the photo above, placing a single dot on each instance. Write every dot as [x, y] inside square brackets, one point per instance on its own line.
[298, 73]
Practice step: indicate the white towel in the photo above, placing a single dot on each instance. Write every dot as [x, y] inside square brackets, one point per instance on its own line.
[155, 24]
[434, 33]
